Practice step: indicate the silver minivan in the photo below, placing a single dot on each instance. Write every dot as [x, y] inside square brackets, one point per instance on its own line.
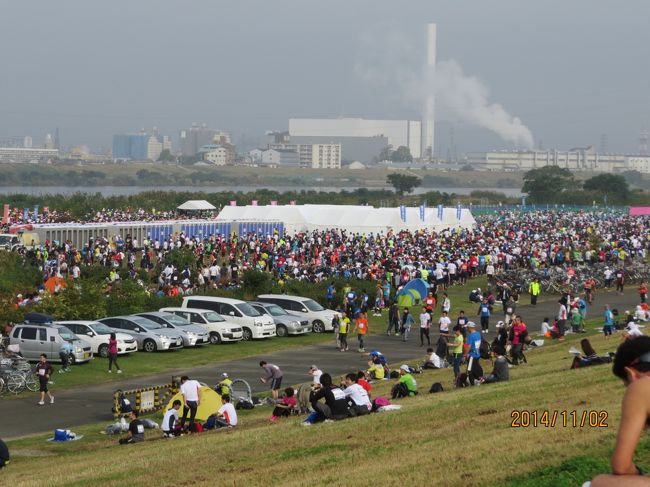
[35, 339]
[150, 335]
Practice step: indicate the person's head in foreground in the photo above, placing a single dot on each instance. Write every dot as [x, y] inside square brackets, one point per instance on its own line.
[632, 365]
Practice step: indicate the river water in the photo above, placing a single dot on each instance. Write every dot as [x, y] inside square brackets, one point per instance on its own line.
[130, 190]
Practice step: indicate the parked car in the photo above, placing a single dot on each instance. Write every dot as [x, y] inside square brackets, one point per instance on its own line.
[193, 335]
[254, 325]
[149, 335]
[34, 339]
[285, 323]
[306, 308]
[97, 334]
[218, 328]
[9, 241]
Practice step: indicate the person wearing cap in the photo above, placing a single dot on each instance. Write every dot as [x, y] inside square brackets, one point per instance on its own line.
[474, 369]
[632, 366]
[406, 385]
[315, 373]
[501, 339]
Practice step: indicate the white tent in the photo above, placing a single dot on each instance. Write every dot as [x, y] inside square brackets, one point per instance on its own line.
[196, 205]
[355, 219]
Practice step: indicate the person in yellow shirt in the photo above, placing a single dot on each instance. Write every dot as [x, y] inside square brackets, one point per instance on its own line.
[344, 329]
[375, 370]
[457, 350]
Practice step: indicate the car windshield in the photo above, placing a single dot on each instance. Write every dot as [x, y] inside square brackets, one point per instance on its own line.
[5, 239]
[101, 329]
[248, 310]
[213, 317]
[67, 334]
[147, 324]
[312, 305]
[275, 310]
[177, 320]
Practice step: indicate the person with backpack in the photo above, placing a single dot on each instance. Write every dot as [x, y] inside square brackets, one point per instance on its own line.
[406, 385]
[335, 406]
[474, 369]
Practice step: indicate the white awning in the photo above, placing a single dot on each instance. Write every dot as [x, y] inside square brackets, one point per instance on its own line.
[196, 205]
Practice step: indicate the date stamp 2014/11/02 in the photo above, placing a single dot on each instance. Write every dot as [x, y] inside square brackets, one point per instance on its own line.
[555, 418]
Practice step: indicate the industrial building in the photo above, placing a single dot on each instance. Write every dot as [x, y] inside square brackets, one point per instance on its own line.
[398, 133]
[140, 146]
[581, 159]
[23, 154]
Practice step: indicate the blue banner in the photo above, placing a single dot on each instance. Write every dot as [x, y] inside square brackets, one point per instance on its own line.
[35, 212]
[459, 210]
[402, 213]
[25, 214]
[422, 209]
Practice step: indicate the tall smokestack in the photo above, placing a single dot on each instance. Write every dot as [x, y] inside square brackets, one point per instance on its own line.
[429, 102]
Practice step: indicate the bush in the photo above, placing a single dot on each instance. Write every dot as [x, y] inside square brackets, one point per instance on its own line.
[17, 276]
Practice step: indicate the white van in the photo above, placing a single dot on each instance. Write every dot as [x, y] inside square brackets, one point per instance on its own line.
[219, 329]
[254, 325]
[319, 317]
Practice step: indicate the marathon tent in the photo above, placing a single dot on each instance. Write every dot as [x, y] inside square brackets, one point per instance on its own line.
[353, 219]
[412, 293]
[196, 205]
[210, 403]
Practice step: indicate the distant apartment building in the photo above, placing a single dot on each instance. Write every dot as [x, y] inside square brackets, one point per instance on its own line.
[139, 147]
[217, 154]
[23, 141]
[195, 137]
[280, 157]
[317, 156]
[23, 154]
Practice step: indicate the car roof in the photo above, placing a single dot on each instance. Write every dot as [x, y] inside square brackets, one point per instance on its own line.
[282, 296]
[161, 314]
[75, 322]
[195, 310]
[216, 299]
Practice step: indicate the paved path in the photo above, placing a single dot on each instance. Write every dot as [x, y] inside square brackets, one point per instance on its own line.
[92, 404]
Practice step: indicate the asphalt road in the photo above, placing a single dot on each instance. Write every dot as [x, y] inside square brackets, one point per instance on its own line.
[92, 404]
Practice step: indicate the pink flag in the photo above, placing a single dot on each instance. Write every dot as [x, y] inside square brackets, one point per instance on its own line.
[5, 214]
[233, 203]
[292, 202]
[274, 203]
[254, 203]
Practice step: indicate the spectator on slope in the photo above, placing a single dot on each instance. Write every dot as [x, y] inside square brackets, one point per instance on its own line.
[274, 375]
[335, 405]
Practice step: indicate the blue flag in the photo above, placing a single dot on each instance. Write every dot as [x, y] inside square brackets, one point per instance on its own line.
[422, 208]
[440, 212]
[459, 210]
[35, 212]
[25, 214]
[402, 213]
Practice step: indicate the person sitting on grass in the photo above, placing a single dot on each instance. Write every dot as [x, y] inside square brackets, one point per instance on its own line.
[4, 454]
[500, 370]
[357, 396]
[632, 365]
[170, 425]
[361, 380]
[335, 405]
[136, 430]
[375, 370]
[406, 384]
[432, 361]
[284, 407]
[589, 357]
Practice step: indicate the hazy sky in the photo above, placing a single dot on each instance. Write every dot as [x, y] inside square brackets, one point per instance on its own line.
[570, 70]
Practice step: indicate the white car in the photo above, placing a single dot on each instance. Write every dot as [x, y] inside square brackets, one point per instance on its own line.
[97, 334]
[254, 324]
[320, 318]
[219, 329]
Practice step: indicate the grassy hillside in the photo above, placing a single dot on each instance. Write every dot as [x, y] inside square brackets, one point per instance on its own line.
[458, 437]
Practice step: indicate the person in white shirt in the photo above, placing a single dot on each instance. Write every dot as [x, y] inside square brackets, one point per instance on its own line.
[191, 391]
[170, 425]
[358, 395]
[425, 324]
[446, 303]
[227, 415]
[315, 372]
[443, 323]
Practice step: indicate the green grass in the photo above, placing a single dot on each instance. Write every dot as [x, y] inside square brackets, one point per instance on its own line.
[457, 437]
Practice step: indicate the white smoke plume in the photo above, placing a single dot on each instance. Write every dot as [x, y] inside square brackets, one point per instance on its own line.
[389, 60]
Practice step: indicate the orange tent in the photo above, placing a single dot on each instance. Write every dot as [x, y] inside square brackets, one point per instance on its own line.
[52, 283]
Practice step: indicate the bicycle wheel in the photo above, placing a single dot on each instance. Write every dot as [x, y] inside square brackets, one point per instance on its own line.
[15, 383]
[31, 382]
[240, 389]
[3, 387]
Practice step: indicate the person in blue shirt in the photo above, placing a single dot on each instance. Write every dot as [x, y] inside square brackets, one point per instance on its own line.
[484, 313]
[350, 298]
[331, 291]
[474, 369]
[64, 354]
[609, 322]
[364, 301]
[582, 307]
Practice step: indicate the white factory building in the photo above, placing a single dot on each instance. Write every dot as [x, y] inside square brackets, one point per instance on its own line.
[584, 159]
[406, 133]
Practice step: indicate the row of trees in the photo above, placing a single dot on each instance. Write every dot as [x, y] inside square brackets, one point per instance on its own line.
[552, 184]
